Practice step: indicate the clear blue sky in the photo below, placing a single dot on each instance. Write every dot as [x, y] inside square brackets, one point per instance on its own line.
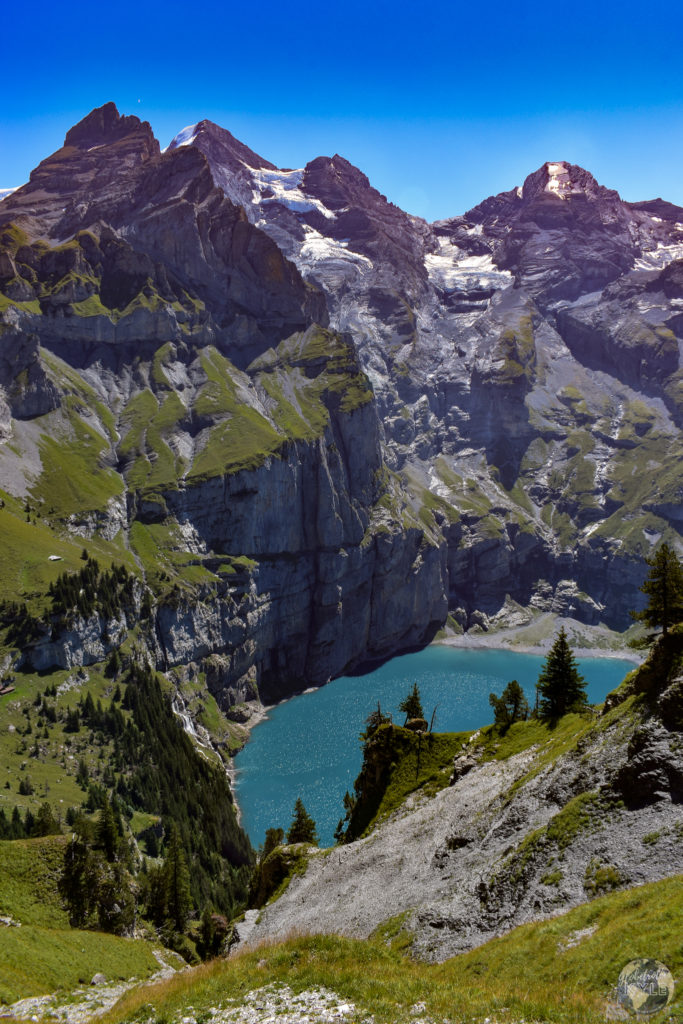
[440, 103]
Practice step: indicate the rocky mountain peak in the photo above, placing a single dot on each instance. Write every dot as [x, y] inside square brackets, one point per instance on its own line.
[336, 181]
[221, 144]
[563, 181]
[105, 125]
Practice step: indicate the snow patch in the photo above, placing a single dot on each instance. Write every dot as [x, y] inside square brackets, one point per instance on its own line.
[660, 257]
[559, 181]
[184, 138]
[285, 186]
[4, 192]
[321, 254]
[450, 270]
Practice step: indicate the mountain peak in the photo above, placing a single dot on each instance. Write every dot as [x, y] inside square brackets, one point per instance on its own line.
[104, 125]
[561, 179]
[220, 143]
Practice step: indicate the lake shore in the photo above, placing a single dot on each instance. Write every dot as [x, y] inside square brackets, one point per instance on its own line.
[532, 636]
[536, 636]
[496, 642]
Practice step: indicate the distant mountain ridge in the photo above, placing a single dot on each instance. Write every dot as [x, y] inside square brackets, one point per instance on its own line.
[384, 421]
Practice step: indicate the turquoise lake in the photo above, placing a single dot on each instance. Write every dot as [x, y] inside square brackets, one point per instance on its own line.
[308, 746]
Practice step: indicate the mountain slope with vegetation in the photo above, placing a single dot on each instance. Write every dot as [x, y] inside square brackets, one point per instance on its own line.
[539, 816]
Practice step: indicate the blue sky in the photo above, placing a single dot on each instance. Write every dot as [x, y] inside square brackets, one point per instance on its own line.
[440, 103]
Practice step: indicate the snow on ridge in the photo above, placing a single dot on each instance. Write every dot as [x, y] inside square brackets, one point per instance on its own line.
[285, 186]
[451, 270]
[4, 192]
[184, 138]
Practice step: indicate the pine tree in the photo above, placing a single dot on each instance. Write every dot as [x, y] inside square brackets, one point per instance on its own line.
[46, 824]
[373, 722]
[274, 837]
[302, 829]
[82, 775]
[412, 705]
[560, 686]
[511, 706]
[106, 834]
[664, 588]
[80, 881]
[178, 898]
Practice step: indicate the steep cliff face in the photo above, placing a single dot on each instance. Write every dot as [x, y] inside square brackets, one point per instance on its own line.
[513, 352]
[314, 424]
[168, 389]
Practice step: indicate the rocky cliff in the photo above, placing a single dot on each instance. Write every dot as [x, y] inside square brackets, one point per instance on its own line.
[314, 425]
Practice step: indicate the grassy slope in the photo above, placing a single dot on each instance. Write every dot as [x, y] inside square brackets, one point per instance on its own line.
[533, 972]
[44, 954]
[423, 766]
[25, 568]
[50, 761]
[36, 961]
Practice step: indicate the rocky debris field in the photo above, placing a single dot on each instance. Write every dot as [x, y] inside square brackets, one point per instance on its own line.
[276, 1004]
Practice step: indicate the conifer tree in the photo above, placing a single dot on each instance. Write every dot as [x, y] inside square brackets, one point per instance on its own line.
[664, 588]
[373, 722]
[412, 704]
[511, 706]
[302, 829]
[274, 837]
[178, 898]
[80, 880]
[560, 686]
[106, 833]
[46, 824]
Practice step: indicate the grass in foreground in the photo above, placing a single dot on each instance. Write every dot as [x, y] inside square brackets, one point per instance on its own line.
[559, 970]
[35, 961]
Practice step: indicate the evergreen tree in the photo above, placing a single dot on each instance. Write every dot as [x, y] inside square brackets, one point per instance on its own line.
[113, 666]
[178, 899]
[302, 829]
[274, 837]
[80, 880]
[511, 706]
[46, 824]
[115, 902]
[412, 705]
[107, 834]
[73, 721]
[17, 830]
[373, 722]
[664, 589]
[82, 775]
[156, 894]
[560, 686]
[26, 786]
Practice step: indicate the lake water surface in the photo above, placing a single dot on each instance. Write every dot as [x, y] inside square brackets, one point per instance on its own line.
[308, 746]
